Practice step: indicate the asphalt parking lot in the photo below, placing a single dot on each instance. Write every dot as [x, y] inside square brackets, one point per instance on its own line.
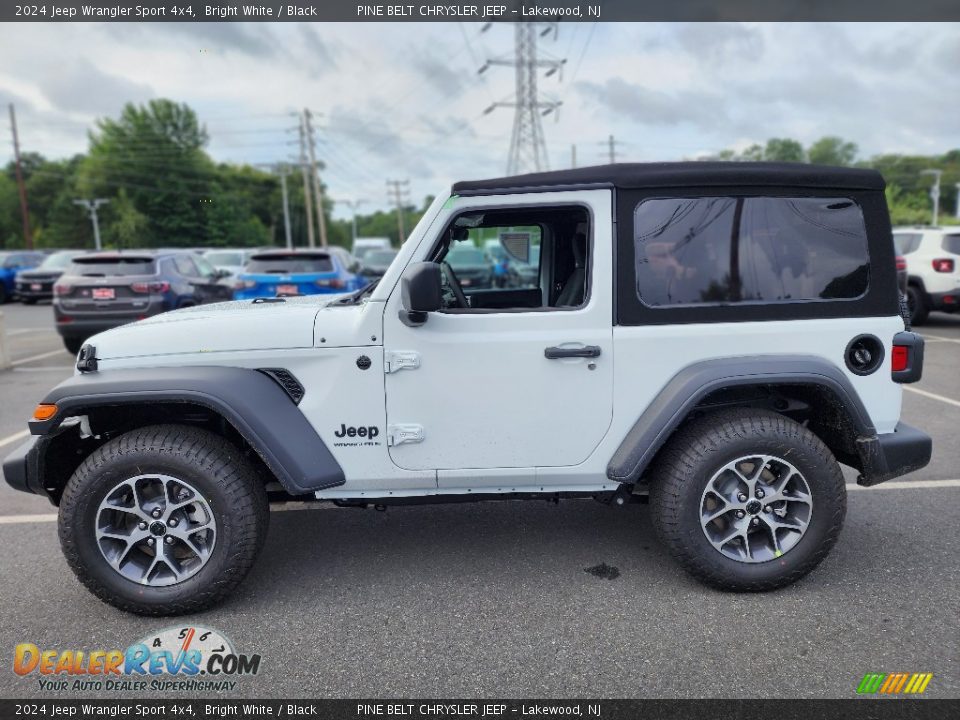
[494, 599]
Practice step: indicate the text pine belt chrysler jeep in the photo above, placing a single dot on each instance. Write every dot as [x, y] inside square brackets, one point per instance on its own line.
[711, 338]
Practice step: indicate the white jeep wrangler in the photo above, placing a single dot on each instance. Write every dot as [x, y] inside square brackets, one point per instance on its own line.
[711, 338]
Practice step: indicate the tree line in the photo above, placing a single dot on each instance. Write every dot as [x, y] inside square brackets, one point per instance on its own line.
[165, 190]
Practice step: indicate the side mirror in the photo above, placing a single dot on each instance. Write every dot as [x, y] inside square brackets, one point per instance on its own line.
[420, 293]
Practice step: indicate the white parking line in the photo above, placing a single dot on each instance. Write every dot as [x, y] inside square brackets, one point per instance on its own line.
[41, 356]
[940, 338]
[282, 507]
[21, 331]
[933, 396]
[13, 438]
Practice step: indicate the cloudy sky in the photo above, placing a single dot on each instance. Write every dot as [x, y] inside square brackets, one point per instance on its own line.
[405, 100]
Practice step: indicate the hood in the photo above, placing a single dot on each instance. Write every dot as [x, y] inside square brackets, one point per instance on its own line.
[232, 326]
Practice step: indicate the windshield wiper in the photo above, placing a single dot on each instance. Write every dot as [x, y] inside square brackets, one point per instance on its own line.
[355, 297]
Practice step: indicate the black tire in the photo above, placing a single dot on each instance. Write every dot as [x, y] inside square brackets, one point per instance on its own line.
[697, 451]
[235, 494]
[4, 295]
[917, 302]
[73, 344]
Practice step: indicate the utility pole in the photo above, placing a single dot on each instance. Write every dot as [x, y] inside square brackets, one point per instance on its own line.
[958, 201]
[353, 205]
[934, 192]
[573, 155]
[528, 149]
[611, 149]
[286, 207]
[317, 186]
[24, 209]
[91, 207]
[399, 191]
[307, 201]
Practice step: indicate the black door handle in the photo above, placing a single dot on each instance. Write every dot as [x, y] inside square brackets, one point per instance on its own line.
[588, 351]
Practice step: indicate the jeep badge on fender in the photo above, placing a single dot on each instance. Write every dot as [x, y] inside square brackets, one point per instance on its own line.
[364, 432]
[696, 358]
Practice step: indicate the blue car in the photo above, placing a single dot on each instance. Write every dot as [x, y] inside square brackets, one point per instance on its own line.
[278, 273]
[10, 264]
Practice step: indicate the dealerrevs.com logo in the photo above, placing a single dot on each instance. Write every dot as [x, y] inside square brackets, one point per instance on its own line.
[178, 658]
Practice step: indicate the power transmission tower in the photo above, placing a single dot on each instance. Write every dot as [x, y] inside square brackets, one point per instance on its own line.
[91, 207]
[24, 209]
[399, 191]
[317, 185]
[528, 149]
[307, 202]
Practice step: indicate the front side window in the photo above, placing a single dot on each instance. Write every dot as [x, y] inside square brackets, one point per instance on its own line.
[724, 250]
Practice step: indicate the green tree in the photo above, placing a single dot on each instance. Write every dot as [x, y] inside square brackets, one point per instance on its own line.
[783, 150]
[832, 150]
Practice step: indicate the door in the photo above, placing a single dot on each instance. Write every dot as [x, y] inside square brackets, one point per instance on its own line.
[521, 387]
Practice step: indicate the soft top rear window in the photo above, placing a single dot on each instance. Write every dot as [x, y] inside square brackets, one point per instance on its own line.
[951, 243]
[106, 266]
[286, 264]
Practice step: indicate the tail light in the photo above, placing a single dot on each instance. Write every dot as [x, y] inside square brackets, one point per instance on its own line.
[906, 357]
[150, 287]
[244, 284]
[334, 283]
[901, 262]
[943, 265]
[61, 289]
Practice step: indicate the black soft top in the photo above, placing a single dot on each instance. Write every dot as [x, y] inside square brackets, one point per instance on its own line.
[681, 174]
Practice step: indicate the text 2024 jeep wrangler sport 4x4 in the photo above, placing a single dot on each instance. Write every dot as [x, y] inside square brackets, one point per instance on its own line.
[715, 338]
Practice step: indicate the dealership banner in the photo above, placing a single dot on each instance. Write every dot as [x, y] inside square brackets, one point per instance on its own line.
[217, 709]
[486, 11]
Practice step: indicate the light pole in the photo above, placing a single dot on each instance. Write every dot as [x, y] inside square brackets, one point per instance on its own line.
[934, 192]
[286, 207]
[958, 201]
[353, 205]
[91, 206]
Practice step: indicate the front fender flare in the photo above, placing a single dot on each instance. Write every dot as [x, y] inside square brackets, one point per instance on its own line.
[253, 403]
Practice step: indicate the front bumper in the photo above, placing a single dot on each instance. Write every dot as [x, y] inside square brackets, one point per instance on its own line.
[884, 457]
[20, 468]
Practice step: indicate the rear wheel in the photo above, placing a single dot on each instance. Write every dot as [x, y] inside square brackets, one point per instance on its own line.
[163, 520]
[747, 500]
[917, 303]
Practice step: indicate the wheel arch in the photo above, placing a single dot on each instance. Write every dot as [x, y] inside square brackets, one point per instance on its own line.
[806, 388]
[248, 407]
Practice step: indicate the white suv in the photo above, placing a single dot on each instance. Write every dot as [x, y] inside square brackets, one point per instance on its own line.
[711, 338]
[933, 269]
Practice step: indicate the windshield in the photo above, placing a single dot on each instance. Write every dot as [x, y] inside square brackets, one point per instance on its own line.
[381, 257]
[57, 261]
[100, 266]
[288, 264]
[462, 256]
[362, 251]
[222, 258]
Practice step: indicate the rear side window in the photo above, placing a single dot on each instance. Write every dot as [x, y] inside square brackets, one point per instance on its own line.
[725, 250]
[951, 243]
[287, 264]
[906, 243]
[104, 267]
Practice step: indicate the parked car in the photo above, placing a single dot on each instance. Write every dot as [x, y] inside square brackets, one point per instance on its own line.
[473, 267]
[376, 262]
[295, 272]
[635, 370]
[100, 291]
[11, 263]
[933, 269]
[363, 245]
[902, 276]
[525, 274]
[233, 260]
[37, 283]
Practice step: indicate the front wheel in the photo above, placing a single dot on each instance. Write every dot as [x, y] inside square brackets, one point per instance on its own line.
[747, 500]
[163, 520]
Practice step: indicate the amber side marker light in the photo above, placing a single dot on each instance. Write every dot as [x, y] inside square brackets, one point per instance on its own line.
[44, 411]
